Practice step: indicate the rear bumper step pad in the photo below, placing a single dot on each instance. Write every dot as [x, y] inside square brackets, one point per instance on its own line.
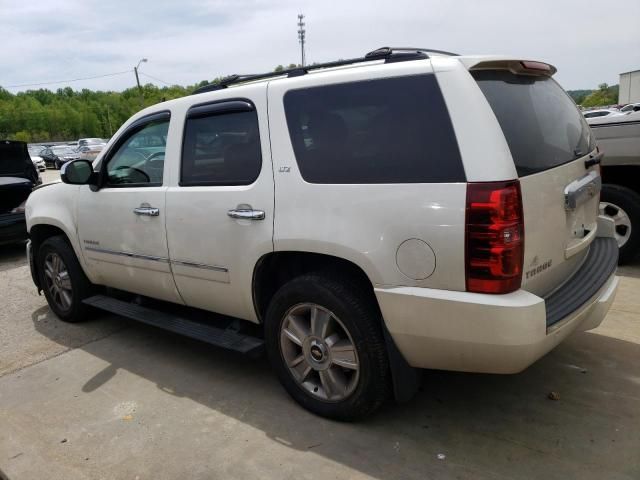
[599, 265]
[228, 338]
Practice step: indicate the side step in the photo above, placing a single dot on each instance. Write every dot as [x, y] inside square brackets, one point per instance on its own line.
[229, 338]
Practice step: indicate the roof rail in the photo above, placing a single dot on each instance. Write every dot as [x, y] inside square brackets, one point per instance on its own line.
[388, 54]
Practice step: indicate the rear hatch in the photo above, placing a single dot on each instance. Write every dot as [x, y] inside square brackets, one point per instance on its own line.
[17, 175]
[551, 145]
[13, 192]
[16, 162]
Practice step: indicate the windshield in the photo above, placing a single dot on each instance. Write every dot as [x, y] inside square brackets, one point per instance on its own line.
[542, 125]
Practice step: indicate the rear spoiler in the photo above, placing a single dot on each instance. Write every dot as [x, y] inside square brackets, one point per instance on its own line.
[518, 67]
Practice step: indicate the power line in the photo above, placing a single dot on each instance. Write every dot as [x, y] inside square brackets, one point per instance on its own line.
[66, 81]
[157, 79]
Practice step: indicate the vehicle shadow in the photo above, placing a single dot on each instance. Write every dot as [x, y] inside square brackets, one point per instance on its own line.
[12, 256]
[486, 426]
[631, 269]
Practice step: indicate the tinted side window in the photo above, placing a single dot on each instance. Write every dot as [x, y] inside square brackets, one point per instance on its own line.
[393, 130]
[137, 160]
[221, 149]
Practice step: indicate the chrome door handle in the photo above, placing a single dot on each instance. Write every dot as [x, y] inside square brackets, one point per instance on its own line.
[246, 214]
[148, 211]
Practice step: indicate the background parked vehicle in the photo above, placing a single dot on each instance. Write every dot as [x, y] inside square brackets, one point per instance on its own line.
[619, 139]
[18, 176]
[82, 142]
[631, 107]
[58, 155]
[34, 153]
[603, 112]
[91, 151]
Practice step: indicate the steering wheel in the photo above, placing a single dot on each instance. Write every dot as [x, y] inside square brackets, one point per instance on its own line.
[137, 170]
[154, 155]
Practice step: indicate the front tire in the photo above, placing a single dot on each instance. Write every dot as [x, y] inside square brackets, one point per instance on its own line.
[64, 283]
[622, 205]
[324, 340]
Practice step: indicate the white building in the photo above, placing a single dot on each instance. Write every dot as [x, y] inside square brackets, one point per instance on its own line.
[629, 87]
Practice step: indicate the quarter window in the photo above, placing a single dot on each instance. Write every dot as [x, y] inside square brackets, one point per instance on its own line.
[392, 130]
[221, 148]
[139, 160]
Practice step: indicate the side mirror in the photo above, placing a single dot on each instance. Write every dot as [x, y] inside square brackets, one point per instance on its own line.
[78, 172]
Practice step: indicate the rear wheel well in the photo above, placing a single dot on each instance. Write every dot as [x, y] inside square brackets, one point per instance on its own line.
[275, 269]
[623, 175]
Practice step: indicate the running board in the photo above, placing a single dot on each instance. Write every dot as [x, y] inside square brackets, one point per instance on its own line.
[229, 337]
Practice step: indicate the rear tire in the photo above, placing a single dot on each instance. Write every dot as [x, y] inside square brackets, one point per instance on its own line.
[324, 340]
[64, 283]
[623, 206]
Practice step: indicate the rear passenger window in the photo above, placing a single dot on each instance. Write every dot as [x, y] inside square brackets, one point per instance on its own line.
[221, 148]
[393, 130]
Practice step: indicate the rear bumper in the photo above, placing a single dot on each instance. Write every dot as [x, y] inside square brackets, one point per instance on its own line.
[484, 333]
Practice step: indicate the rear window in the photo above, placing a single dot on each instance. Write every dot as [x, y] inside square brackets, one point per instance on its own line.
[541, 124]
[393, 130]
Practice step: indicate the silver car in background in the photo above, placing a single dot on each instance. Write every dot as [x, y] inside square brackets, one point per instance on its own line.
[91, 151]
[618, 137]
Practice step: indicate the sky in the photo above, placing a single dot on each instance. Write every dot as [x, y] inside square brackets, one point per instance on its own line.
[590, 42]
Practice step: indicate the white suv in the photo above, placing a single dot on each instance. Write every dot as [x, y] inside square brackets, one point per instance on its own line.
[361, 220]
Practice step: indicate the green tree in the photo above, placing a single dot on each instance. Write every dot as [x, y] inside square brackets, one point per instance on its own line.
[605, 95]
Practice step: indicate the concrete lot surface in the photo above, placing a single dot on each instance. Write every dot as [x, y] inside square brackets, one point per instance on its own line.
[108, 399]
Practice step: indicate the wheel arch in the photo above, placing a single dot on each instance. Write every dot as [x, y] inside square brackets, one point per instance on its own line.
[274, 269]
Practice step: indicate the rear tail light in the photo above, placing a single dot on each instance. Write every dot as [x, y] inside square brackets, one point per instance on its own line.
[494, 237]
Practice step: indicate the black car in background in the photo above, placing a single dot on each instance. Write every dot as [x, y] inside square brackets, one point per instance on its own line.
[18, 176]
[57, 155]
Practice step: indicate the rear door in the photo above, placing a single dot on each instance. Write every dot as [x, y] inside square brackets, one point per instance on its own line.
[220, 212]
[551, 145]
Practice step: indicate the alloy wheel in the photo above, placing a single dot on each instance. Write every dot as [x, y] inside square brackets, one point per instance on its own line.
[621, 220]
[57, 280]
[319, 352]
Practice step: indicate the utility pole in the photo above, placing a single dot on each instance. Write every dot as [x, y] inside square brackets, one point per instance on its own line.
[301, 34]
[135, 70]
[109, 120]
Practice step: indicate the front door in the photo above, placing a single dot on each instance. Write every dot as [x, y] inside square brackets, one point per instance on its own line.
[220, 213]
[121, 225]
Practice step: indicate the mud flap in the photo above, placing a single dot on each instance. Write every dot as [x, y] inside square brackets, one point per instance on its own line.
[406, 379]
[33, 268]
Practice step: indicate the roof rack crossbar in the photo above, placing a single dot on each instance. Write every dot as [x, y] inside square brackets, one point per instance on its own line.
[389, 54]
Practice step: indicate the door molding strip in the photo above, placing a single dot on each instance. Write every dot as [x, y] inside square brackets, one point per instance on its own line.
[204, 266]
[199, 265]
[128, 254]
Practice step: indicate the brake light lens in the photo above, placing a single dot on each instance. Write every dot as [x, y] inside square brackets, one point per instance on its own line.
[539, 66]
[494, 237]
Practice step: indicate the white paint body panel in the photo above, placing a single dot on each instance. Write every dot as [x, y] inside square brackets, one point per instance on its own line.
[108, 228]
[364, 224]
